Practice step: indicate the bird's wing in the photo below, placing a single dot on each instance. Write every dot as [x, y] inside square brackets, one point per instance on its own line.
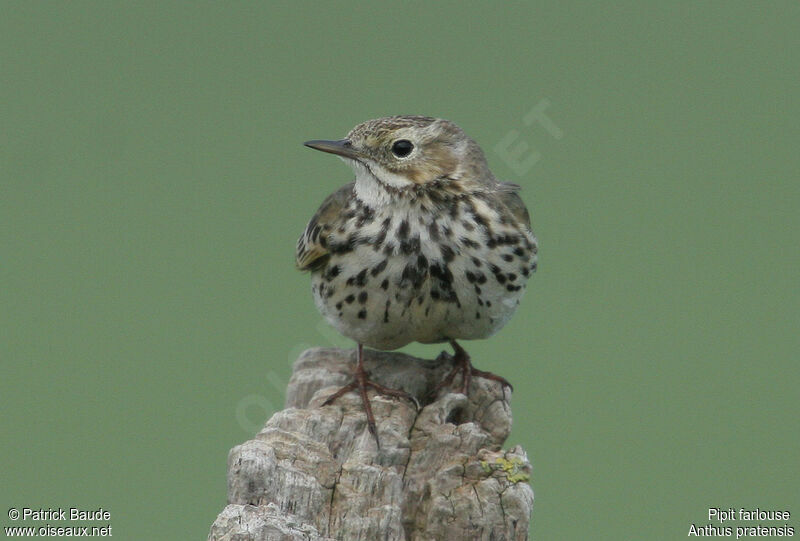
[312, 246]
[509, 195]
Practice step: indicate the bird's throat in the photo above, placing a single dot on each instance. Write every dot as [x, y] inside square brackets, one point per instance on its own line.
[376, 187]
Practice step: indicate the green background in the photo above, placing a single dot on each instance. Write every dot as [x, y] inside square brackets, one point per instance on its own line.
[153, 183]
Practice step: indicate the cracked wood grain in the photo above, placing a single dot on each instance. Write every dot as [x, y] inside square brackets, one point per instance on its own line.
[315, 473]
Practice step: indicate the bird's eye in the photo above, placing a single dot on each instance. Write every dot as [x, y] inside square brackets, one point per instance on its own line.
[402, 148]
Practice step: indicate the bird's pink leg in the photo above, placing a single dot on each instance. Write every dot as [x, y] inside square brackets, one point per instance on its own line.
[362, 383]
[463, 364]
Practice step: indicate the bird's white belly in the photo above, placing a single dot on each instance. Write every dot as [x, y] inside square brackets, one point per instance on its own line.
[420, 284]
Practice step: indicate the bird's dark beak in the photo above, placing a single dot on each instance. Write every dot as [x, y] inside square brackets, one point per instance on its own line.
[341, 147]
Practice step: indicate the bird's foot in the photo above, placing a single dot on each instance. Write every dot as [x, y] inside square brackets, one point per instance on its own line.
[463, 364]
[362, 383]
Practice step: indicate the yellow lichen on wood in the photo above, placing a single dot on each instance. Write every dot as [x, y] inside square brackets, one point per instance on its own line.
[514, 469]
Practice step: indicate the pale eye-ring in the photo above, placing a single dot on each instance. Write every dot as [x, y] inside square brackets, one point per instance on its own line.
[402, 148]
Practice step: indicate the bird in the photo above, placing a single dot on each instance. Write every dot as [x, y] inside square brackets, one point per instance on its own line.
[424, 245]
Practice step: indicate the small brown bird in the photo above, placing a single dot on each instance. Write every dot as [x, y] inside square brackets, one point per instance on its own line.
[424, 246]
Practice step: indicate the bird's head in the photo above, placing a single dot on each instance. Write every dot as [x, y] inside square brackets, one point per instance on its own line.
[410, 153]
